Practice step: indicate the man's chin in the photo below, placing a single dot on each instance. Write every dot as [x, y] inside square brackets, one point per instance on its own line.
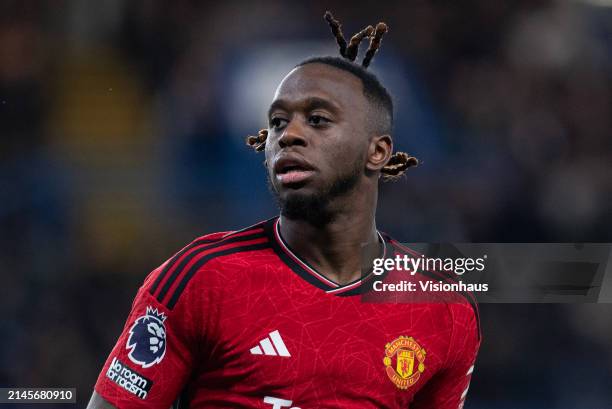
[309, 201]
[300, 204]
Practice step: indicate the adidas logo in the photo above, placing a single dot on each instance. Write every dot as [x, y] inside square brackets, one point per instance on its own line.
[266, 347]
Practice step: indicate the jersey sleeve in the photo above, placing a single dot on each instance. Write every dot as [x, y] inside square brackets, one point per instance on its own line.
[448, 388]
[161, 340]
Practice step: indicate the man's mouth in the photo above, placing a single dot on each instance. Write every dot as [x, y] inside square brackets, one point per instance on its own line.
[290, 171]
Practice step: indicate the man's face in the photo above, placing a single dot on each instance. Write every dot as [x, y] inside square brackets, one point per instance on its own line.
[317, 141]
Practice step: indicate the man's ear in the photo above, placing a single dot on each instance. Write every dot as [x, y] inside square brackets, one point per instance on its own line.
[379, 152]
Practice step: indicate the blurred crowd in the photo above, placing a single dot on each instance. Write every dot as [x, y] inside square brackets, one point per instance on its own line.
[121, 139]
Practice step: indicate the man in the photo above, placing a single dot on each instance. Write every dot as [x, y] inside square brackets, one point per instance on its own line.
[271, 316]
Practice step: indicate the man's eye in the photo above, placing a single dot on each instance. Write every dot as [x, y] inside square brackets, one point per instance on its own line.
[318, 120]
[277, 123]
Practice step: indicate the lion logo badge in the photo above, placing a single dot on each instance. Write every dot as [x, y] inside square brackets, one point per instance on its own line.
[409, 357]
[147, 340]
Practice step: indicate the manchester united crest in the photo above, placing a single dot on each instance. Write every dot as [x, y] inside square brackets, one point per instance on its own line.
[408, 357]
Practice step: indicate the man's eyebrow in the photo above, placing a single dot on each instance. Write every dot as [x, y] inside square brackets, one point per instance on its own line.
[309, 104]
[277, 104]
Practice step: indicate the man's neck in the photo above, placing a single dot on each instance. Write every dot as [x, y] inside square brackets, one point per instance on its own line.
[335, 250]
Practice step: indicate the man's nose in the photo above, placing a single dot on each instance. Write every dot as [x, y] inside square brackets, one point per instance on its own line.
[293, 134]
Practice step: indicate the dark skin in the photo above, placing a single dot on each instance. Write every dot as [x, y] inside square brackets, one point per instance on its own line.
[320, 116]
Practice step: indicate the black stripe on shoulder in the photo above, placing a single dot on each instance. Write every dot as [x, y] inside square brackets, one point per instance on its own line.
[174, 259]
[177, 256]
[196, 243]
[194, 269]
[218, 243]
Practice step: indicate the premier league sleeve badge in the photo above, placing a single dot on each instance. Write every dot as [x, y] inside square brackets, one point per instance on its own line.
[147, 340]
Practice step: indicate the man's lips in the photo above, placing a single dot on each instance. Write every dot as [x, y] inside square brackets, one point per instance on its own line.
[294, 176]
[291, 170]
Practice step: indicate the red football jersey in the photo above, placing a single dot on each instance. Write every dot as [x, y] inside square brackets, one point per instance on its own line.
[237, 320]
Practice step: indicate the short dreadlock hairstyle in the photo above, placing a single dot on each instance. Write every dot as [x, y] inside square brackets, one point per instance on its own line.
[376, 94]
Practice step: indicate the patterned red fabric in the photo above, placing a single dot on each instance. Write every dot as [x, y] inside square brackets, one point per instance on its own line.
[236, 320]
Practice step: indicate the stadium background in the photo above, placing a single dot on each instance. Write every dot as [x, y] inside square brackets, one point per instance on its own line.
[122, 126]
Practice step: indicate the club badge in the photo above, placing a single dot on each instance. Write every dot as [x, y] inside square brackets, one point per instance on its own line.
[408, 357]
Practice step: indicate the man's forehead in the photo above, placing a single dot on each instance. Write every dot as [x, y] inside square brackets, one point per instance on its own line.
[322, 81]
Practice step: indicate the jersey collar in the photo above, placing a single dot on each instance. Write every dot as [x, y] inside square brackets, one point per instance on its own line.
[302, 268]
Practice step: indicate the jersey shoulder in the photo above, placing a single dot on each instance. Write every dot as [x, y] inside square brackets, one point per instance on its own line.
[170, 280]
